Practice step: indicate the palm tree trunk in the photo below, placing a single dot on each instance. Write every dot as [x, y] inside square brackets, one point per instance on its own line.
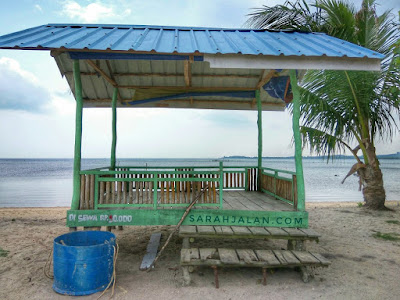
[372, 180]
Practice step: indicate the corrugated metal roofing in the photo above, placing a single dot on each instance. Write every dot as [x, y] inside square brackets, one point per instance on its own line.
[182, 40]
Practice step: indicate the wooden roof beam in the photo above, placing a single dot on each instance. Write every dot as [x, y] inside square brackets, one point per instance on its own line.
[187, 71]
[233, 76]
[190, 88]
[112, 78]
[101, 72]
[191, 103]
[265, 77]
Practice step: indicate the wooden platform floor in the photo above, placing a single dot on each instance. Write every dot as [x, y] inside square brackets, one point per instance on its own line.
[235, 200]
[243, 200]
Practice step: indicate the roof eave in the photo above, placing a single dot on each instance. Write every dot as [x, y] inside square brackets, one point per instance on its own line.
[293, 62]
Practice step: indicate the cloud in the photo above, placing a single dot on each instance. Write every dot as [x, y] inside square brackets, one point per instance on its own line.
[93, 12]
[38, 8]
[19, 89]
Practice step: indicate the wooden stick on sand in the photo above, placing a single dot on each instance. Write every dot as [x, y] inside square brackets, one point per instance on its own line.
[177, 227]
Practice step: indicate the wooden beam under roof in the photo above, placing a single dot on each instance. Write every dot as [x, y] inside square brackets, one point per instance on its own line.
[101, 72]
[112, 77]
[190, 88]
[187, 103]
[187, 70]
[265, 77]
[232, 76]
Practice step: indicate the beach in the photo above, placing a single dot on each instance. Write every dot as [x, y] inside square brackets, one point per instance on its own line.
[363, 266]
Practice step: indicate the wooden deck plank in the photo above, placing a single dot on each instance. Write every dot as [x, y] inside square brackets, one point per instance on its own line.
[218, 229]
[226, 230]
[205, 229]
[247, 255]
[151, 251]
[280, 257]
[187, 229]
[228, 256]
[259, 231]
[277, 231]
[208, 253]
[322, 259]
[295, 232]
[247, 201]
[289, 257]
[305, 257]
[267, 256]
[238, 230]
[255, 201]
[230, 198]
[310, 232]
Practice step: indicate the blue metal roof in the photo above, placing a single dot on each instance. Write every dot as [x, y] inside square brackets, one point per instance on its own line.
[181, 40]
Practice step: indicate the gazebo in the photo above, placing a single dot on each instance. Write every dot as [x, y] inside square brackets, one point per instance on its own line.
[134, 66]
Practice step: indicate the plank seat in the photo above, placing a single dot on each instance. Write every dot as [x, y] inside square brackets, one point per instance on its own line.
[227, 257]
[250, 232]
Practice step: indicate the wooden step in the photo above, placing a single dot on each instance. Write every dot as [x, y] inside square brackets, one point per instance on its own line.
[251, 258]
[250, 232]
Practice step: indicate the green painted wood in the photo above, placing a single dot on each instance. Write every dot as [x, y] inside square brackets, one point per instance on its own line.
[221, 185]
[297, 142]
[78, 136]
[260, 142]
[114, 127]
[97, 172]
[105, 179]
[279, 171]
[120, 217]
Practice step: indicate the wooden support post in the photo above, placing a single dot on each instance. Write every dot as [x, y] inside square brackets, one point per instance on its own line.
[114, 128]
[297, 142]
[78, 137]
[264, 271]
[260, 144]
[221, 185]
[216, 280]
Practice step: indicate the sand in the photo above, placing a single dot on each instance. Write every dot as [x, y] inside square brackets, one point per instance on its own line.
[363, 267]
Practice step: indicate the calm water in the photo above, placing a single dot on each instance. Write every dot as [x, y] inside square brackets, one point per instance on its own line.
[48, 182]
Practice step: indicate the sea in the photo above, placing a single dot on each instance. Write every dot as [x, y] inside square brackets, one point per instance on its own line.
[48, 182]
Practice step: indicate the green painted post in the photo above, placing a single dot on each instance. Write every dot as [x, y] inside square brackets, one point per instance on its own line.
[114, 128]
[297, 142]
[78, 137]
[155, 189]
[260, 145]
[221, 184]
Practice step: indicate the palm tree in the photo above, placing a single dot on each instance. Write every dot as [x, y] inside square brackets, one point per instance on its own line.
[346, 109]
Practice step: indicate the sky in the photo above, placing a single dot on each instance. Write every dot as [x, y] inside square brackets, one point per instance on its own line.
[37, 108]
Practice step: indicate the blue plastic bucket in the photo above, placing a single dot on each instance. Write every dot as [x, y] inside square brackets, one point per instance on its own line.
[83, 262]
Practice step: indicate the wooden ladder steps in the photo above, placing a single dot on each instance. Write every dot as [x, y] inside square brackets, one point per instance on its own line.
[224, 257]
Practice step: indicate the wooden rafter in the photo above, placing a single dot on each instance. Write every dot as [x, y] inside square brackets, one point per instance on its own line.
[231, 76]
[187, 70]
[112, 77]
[102, 73]
[193, 101]
[265, 77]
[191, 88]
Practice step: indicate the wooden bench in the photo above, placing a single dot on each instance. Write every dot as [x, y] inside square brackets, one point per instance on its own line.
[295, 236]
[223, 257]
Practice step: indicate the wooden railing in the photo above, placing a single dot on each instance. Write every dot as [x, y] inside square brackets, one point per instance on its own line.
[177, 186]
[280, 184]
